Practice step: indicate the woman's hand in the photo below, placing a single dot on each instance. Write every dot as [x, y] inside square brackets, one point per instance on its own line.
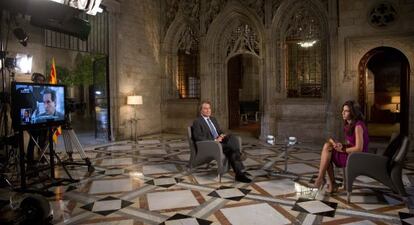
[338, 147]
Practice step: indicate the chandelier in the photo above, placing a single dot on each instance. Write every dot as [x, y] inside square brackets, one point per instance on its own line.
[304, 28]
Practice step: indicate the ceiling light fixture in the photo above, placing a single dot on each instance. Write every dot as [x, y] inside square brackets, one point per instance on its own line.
[307, 44]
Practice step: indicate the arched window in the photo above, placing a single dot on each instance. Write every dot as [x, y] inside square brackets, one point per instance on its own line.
[188, 80]
[305, 56]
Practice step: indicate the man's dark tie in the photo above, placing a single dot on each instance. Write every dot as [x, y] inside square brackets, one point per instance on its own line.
[212, 129]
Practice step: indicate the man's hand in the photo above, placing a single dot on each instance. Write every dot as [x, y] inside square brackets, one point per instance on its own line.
[220, 138]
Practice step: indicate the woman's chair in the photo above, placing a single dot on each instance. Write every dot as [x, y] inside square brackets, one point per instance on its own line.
[386, 168]
[202, 152]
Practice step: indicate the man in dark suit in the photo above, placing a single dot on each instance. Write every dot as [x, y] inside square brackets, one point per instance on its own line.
[206, 127]
[26, 117]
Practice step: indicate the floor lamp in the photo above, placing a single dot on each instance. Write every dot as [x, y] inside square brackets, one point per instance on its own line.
[134, 100]
[396, 100]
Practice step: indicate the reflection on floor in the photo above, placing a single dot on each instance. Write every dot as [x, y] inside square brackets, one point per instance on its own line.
[87, 132]
[148, 183]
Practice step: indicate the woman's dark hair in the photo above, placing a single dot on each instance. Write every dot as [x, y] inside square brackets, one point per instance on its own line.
[355, 114]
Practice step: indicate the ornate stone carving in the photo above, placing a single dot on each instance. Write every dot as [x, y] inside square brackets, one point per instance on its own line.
[191, 10]
[325, 3]
[275, 6]
[349, 75]
[243, 39]
[382, 15]
[256, 5]
[213, 8]
[171, 10]
[188, 41]
[303, 25]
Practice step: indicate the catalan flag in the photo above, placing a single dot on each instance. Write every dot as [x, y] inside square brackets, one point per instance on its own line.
[53, 76]
[53, 80]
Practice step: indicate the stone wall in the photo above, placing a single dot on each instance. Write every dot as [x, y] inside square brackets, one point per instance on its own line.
[138, 66]
[177, 115]
[134, 62]
[356, 37]
[35, 47]
[344, 25]
[303, 119]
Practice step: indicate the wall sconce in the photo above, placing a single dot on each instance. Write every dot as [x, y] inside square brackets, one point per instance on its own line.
[134, 100]
[396, 100]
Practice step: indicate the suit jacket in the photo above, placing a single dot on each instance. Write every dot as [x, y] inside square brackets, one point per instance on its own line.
[55, 114]
[201, 130]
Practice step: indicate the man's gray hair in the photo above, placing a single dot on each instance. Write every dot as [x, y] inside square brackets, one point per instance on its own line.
[202, 103]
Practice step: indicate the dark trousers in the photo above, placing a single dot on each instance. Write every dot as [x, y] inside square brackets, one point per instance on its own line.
[231, 149]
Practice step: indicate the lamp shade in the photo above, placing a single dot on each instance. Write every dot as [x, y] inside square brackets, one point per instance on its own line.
[134, 100]
[395, 99]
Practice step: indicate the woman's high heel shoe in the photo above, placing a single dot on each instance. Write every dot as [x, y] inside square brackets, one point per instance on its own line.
[319, 183]
[334, 189]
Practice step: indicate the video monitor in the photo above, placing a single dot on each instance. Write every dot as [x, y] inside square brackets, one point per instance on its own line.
[37, 105]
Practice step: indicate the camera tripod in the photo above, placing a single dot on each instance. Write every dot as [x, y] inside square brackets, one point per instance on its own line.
[71, 142]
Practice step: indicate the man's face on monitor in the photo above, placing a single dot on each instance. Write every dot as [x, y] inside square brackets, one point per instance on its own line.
[49, 104]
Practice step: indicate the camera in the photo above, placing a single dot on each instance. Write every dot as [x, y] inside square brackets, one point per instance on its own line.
[10, 63]
[72, 106]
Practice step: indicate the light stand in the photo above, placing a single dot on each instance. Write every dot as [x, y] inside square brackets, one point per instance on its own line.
[134, 100]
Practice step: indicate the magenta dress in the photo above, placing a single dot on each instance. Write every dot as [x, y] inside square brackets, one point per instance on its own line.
[340, 158]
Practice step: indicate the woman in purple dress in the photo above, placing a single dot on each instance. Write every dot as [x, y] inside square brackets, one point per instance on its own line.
[356, 135]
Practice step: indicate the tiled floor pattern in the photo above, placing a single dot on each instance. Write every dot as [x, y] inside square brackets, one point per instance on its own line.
[148, 183]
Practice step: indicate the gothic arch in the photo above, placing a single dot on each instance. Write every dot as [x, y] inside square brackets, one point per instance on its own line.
[170, 48]
[280, 23]
[355, 50]
[404, 85]
[215, 55]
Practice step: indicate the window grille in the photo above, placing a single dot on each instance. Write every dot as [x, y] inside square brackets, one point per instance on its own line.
[188, 74]
[305, 56]
[304, 70]
[97, 42]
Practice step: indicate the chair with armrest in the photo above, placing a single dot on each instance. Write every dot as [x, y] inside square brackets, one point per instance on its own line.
[375, 151]
[385, 168]
[202, 152]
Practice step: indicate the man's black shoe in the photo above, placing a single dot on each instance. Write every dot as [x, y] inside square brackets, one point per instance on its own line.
[243, 178]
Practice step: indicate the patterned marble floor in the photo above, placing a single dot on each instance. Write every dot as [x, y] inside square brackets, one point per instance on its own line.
[148, 183]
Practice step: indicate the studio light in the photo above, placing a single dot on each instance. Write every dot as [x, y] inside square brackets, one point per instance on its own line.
[91, 7]
[21, 36]
[24, 63]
